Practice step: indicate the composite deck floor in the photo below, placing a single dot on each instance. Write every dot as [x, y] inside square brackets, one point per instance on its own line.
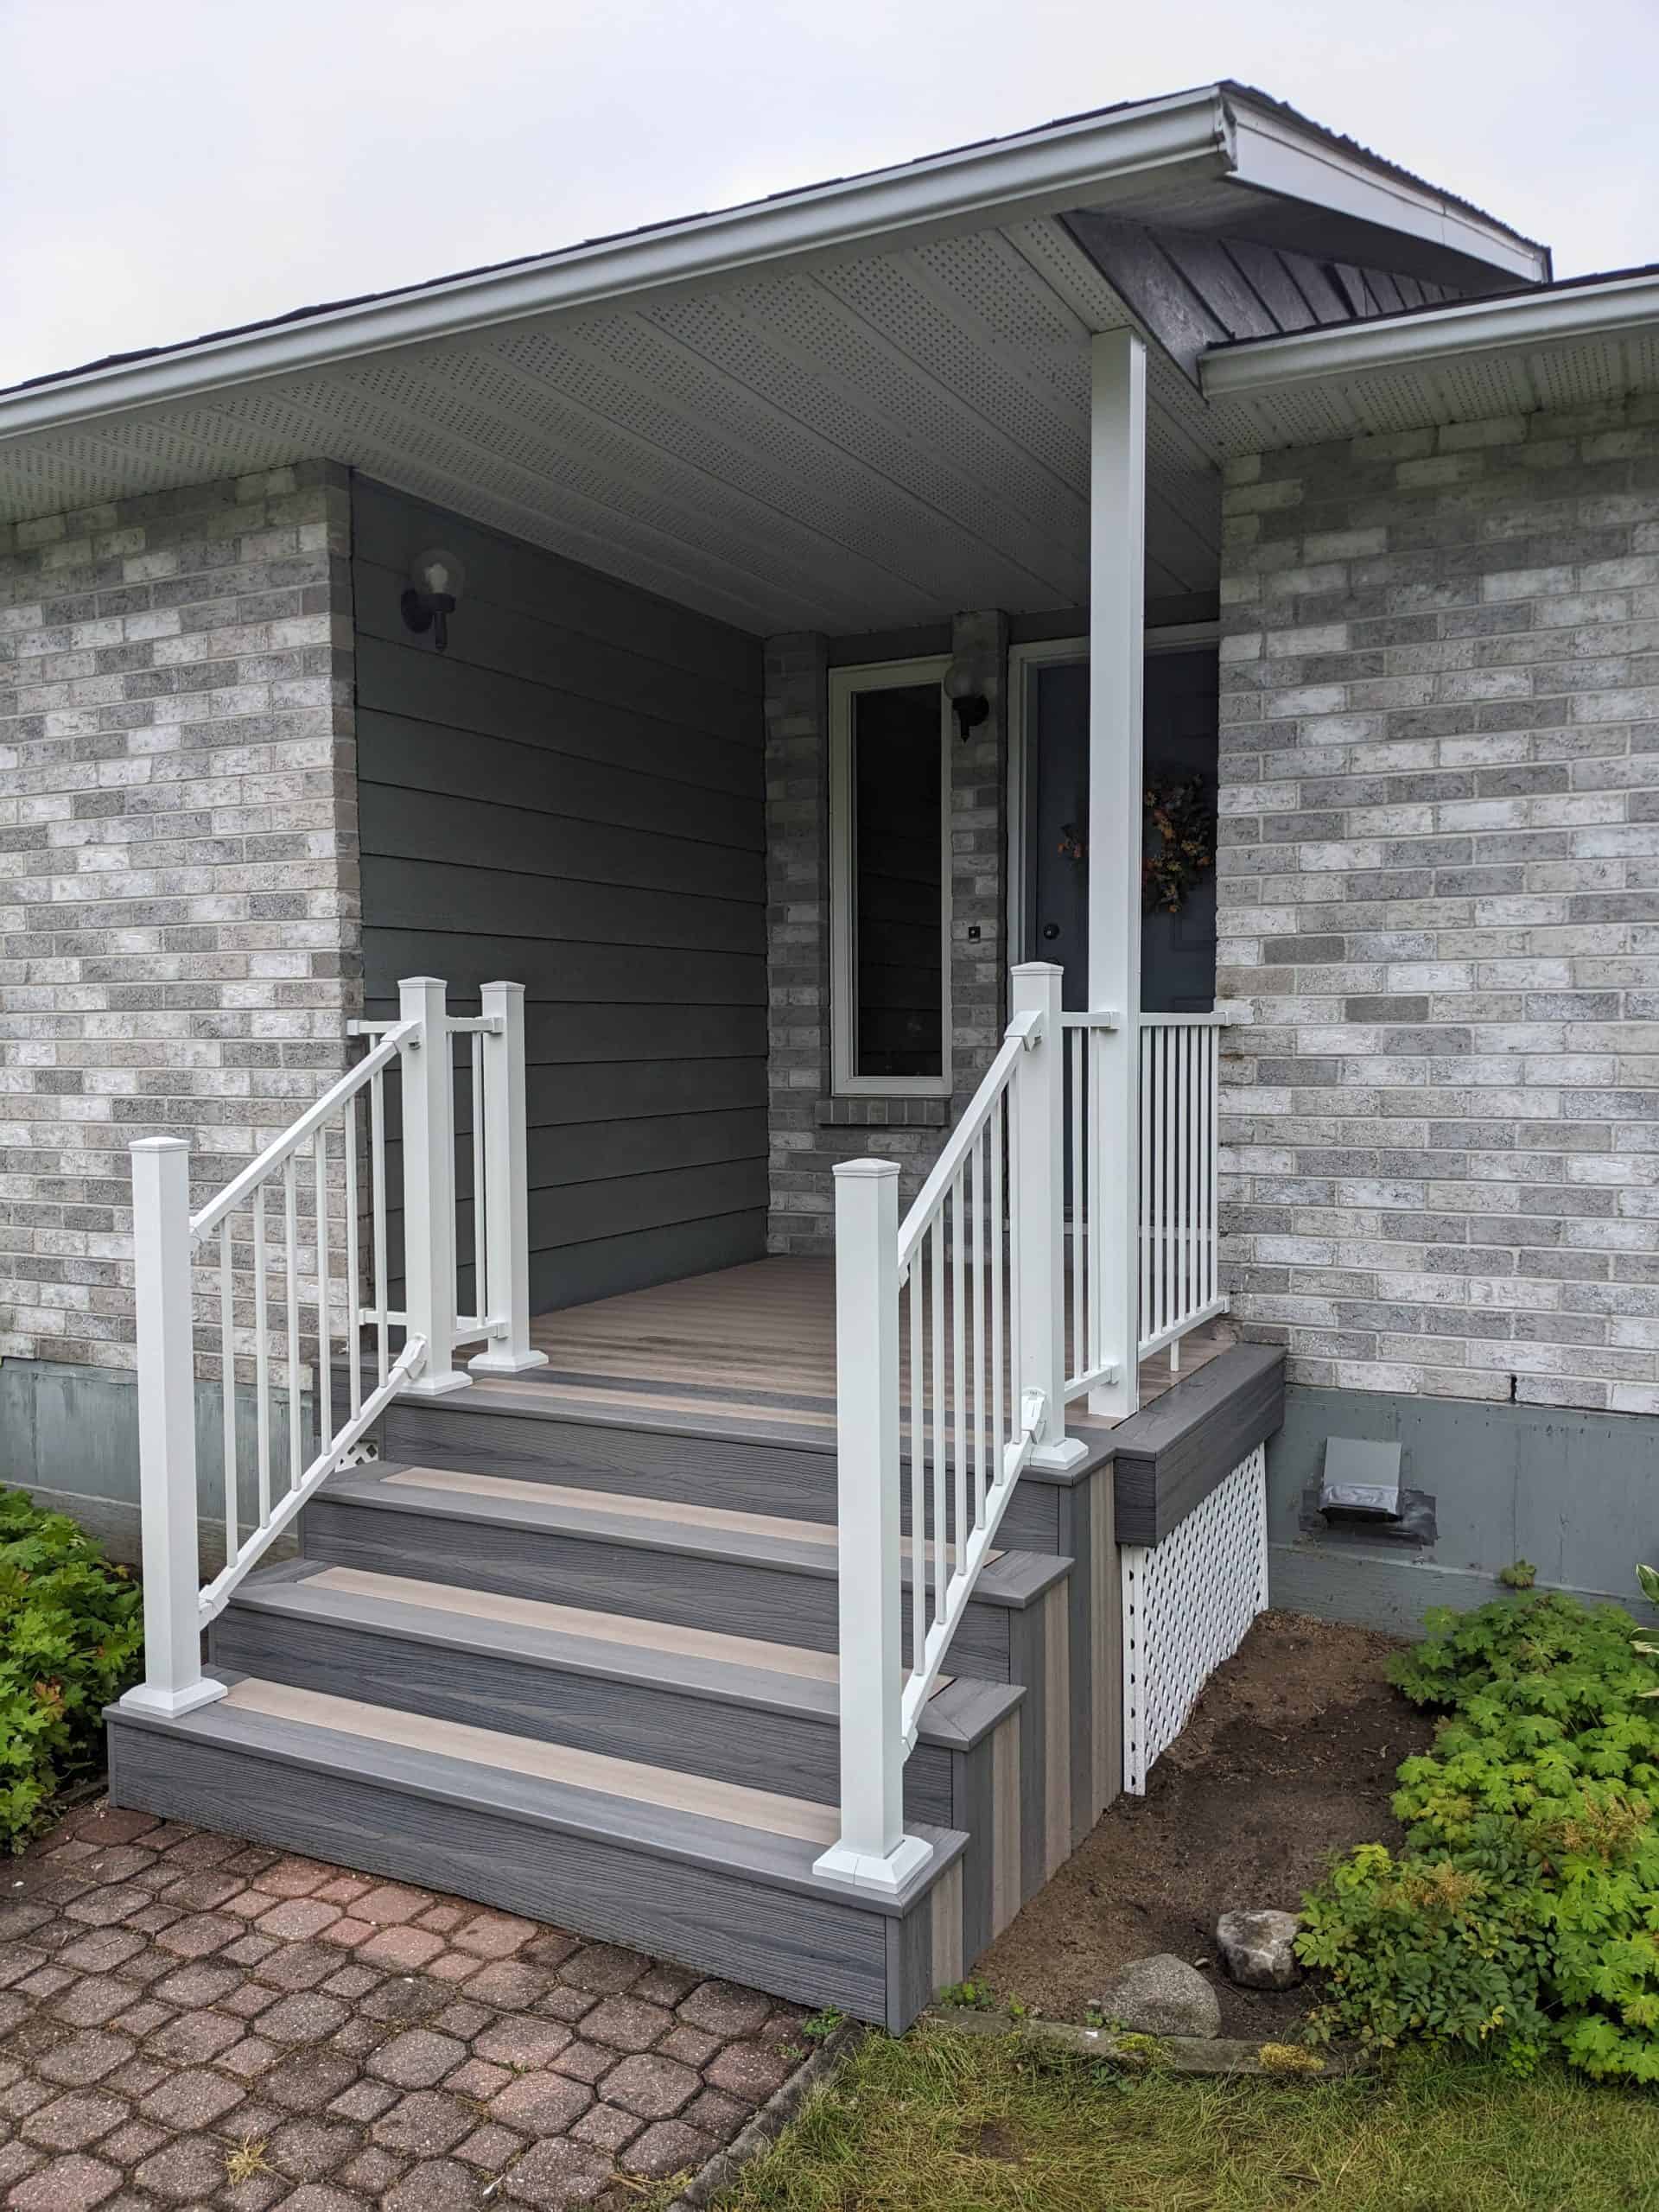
[755, 1342]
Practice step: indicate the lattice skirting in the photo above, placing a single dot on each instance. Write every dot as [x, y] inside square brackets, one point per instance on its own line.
[1187, 1602]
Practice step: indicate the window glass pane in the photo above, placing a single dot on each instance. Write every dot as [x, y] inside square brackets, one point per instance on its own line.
[898, 882]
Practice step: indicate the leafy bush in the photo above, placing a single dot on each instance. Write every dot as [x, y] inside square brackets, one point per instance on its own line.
[71, 1634]
[1524, 1909]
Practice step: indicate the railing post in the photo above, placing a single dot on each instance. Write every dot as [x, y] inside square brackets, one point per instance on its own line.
[429, 1186]
[506, 1232]
[173, 1680]
[873, 1850]
[1038, 1212]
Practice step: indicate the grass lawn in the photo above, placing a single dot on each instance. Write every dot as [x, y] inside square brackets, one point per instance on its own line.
[944, 2123]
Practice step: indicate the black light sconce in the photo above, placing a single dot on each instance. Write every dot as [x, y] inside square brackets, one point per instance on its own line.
[437, 581]
[967, 682]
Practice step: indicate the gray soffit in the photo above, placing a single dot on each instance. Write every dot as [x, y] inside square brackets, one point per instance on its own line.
[858, 407]
[1580, 343]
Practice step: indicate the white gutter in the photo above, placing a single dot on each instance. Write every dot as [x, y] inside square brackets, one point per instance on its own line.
[1616, 308]
[1011, 181]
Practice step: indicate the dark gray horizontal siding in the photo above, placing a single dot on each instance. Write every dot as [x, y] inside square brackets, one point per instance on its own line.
[572, 797]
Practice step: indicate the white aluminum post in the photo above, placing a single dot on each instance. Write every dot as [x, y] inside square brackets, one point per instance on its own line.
[429, 1186]
[873, 1850]
[506, 1180]
[1117, 531]
[1037, 1215]
[173, 1680]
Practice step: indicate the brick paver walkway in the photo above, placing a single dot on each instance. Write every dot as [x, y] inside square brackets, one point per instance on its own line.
[186, 2021]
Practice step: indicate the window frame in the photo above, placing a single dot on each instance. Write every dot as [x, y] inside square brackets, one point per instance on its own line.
[846, 686]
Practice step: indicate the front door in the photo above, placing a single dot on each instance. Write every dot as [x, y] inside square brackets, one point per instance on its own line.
[1177, 951]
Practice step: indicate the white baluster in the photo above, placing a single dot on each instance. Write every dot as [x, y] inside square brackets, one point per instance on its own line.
[429, 1186]
[173, 1680]
[507, 1241]
[873, 1850]
[1039, 1215]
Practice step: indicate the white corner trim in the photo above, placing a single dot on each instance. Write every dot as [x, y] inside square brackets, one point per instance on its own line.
[1042, 172]
[1612, 310]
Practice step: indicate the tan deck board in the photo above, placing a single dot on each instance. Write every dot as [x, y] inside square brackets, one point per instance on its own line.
[748, 1343]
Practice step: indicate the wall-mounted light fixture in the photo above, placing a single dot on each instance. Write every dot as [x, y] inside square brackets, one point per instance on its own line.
[437, 579]
[967, 683]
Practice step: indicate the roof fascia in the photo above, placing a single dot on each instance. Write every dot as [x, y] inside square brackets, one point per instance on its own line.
[1088, 161]
[1273, 156]
[1268, 364]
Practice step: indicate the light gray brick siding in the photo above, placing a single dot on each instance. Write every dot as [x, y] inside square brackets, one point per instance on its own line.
[178, 865]
[810, 1128]
[1439, 888]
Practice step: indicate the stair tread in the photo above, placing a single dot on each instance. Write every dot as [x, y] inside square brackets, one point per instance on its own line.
[736, 1826]
[655, 1523]
[747, 1670]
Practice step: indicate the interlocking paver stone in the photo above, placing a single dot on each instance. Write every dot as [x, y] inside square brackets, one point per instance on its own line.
[654, 2088]
[69, 2184]
[417, 2059]
[187, 1995]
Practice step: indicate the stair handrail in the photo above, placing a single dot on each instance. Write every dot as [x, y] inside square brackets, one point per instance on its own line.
[1000, 1173]
[167, 1237]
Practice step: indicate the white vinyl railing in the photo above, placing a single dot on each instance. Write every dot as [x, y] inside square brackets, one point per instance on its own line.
[330, 1178]
[950, 1350]
[1178, 1217]
[1178, 1213]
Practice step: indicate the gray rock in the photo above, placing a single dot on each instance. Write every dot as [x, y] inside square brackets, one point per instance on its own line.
[1256, 1948]
[1162, 1996]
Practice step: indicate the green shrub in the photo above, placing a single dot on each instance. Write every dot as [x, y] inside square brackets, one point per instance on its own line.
[1523, 1908]
[71, 1634]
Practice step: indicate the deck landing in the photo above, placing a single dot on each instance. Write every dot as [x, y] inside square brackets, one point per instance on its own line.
[755, 1342]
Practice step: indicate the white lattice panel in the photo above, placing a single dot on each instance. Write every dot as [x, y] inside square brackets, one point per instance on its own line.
[1187, 1602]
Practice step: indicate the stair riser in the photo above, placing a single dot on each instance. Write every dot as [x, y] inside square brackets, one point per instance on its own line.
[781, 1604]
[688, 1469]
[816, 1949]
[626, 1718]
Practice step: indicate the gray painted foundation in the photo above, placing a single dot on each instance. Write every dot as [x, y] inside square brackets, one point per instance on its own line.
[69, 1435]
[1576, 1493]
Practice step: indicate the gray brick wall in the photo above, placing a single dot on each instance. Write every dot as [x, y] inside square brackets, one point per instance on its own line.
[1439, 886]
[810, 1129]
[179, 909]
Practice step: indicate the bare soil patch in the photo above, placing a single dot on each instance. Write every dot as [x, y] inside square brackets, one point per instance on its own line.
[1286, 1763]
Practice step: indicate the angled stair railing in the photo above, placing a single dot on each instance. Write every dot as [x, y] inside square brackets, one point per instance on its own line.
[968, 1297]
[329, 1178]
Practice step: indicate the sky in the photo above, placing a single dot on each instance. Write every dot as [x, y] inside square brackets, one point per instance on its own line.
[171, 167]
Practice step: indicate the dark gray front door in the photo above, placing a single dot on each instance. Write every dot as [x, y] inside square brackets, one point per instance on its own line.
[1177, 951]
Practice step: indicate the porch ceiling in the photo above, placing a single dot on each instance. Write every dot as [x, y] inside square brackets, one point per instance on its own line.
[874, 440]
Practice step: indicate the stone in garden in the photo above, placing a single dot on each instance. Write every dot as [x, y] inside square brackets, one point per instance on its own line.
[1257, 1949]
[1162, 1996]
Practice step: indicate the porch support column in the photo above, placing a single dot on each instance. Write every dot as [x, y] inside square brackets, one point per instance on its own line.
[1117, 533]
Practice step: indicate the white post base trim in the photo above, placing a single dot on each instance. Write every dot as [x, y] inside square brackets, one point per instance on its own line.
[505, 1363]
[169, 1703]
[1057, 1457]
[841, 1864]
[436, 1386]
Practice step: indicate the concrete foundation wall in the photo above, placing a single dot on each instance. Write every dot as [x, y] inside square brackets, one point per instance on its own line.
[1575, 1493]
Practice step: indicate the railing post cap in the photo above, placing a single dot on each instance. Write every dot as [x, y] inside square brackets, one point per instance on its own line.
[865, 1167]
[421, 983]
[503, 986]
[159, 1144]
[1037, 968]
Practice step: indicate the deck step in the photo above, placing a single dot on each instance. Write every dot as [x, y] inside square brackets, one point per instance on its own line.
[742, 1709]
[713, 1874]
[765, 1576]
[765, 1464]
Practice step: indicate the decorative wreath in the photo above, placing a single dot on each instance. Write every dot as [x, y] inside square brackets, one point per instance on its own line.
[1182, 812]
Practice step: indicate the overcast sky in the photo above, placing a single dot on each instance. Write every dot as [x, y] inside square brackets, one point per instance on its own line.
[168, 167]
